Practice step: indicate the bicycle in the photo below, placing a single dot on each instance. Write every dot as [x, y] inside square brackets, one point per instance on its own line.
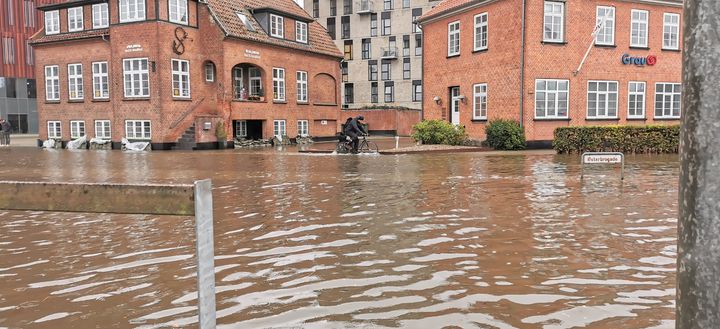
[365, 146]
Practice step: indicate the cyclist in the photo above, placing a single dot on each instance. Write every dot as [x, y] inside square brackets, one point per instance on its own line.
[354, 129]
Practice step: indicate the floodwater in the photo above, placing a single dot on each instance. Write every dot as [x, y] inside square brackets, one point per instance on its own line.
[469, 240]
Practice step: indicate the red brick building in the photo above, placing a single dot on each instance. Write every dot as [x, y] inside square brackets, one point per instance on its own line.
[170, 71]
[519, 59]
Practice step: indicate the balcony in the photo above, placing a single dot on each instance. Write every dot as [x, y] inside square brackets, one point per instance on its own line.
[389, 53]
[365, 7]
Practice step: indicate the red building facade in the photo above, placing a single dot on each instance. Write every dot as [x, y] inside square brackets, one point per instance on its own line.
[170, 71]
[487, 60]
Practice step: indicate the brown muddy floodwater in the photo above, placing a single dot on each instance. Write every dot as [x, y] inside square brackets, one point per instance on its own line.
[467, 240]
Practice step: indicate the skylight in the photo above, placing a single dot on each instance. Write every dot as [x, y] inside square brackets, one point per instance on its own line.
[246, 21]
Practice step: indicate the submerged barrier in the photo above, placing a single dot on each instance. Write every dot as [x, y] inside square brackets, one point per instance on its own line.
[178, 200]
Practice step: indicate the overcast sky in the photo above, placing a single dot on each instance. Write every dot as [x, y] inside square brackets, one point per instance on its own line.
[299, 2]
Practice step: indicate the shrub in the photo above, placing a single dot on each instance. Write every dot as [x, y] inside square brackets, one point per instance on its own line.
[439, 132]
[626, 139]
[505, 135]
[220, 131]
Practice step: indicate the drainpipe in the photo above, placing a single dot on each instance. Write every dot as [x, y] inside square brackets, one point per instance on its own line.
[422, 75]
[522, 65]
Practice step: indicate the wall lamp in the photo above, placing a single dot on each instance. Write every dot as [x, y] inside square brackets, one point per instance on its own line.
[437, 100]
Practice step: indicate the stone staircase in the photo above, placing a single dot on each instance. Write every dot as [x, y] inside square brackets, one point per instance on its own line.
[187, 140]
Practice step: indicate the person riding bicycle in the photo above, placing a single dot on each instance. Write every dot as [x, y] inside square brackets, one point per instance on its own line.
[354, 129]
[342, 137]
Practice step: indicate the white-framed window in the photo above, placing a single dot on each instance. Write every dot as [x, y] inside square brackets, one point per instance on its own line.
[481, 32]
[135, 76]
[180, 78]
[667, 100]
[301, 32]
[636, 99]
[75, 19]
[102, 129]
[241, 128]
[138, 129]
[54, 129]
[639, 28]
[303, 128]
[52, 83]
[132, 10]
[454, 39]
[671, 31]
[100, 15]
[8, 50]
[302, 86]
[77, 129]
[255, 81]
[551, 98]
[52, 22]
[554, 21]
[209, 72]
[605, 22]
[602, 99]
[279, 128]
[480, 101]
[101, 89]
[75, 81]
[278, 84]
[277, 26]
[178, 11]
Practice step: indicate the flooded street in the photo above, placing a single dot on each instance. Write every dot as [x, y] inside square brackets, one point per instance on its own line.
[468, 240]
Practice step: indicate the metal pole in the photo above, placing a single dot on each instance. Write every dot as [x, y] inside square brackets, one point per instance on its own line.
[205, 254]
[698, 263]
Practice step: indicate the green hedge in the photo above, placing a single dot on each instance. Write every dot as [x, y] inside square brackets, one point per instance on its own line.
[626, 139]
[505, 135]
[439, 132]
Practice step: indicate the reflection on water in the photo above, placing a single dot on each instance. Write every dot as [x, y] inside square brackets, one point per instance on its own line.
[317, 241]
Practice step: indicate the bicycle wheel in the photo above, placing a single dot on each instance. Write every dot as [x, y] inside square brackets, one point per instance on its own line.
[340, 148]
[368, 147]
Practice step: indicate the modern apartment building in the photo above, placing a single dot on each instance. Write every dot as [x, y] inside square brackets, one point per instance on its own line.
[561, 63]
[382, 46]
[19, 20]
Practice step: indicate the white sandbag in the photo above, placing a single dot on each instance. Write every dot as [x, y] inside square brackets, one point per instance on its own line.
[76, 144]
[135, 146]
[49, 144]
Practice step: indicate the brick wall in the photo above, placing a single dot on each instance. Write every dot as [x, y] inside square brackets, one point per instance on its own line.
[398, 121]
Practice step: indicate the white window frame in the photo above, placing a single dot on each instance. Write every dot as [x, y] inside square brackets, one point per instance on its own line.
[480, 38]
[103, 129]
[302, 86]
[301, 32]
[642, 28]
[128, 15]
[608, 98]
[178, 11]
[671, 29]
[75, 81]
[77, 129]
[480, 99]
[52, 83]
[453, 38]
[556, 99]
[241, 128]
[54, 129]
[277, 26]
[637, 99]
[133, 78]
[279, 126]
[674, 98]
[303, 128]
[101, 82]
[255, 81]
[52, 22]
[180, 78]
[278, 84]
[101, 16]
[75, 19]
[131, 129]
[605, 34]
[209, 72]
[553, 16]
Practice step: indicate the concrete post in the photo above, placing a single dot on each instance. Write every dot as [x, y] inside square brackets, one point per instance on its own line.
[698, 268]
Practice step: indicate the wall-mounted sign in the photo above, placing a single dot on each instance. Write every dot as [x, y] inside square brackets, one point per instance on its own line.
[323, 122]
[133, 48]
[252, 54]
[640, 61]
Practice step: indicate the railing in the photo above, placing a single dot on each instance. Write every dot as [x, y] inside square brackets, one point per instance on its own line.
[186, 113]
[389, 52]
[366, 6]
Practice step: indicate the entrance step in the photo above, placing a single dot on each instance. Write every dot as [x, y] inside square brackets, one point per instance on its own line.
[187, 140]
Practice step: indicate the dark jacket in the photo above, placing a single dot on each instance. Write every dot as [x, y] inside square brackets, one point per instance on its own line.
[6, 127]
[356, 127]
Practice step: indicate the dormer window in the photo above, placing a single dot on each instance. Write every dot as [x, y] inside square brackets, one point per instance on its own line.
[75, 19]
[246, 21]
[277, 24]
[52, 22]
[301, 32]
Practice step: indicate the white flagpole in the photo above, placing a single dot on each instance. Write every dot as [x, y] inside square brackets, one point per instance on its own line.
[599, 26]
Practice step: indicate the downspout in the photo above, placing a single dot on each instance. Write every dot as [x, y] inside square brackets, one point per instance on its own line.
[522, 65]
[422, 74]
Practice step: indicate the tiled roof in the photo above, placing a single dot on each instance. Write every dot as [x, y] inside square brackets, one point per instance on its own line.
[226, 13]
[41, 37]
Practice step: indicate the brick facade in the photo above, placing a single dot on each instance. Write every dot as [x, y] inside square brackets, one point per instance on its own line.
[500, 65]
[214, 101]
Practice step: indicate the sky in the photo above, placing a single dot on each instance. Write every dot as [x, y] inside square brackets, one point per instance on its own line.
[299, 2]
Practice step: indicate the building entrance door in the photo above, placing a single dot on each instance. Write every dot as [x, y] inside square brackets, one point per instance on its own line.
[455, 105]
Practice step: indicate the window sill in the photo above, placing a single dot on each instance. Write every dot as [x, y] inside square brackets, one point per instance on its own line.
[551, 119]
[672, 50]
[182, 99]
[605, 46]
[636, 119]
[667, 119]
[52, 102]
[640, 47]
[556, 43]
[484, 50]
[453, 56]
[602, 119]
[136, 98]
[303, 103]
[262, 100]
[479, 120]
[100, 100]
[76, 101]
[325, 104]
[279, 102]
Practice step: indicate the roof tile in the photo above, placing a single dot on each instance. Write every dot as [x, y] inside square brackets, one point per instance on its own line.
[41, 37]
